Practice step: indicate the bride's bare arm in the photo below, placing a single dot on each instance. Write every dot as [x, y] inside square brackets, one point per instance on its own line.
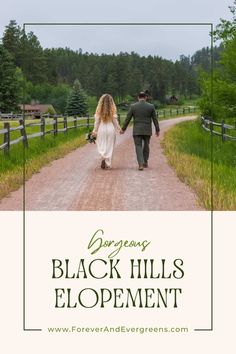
[96, 124]
[116, 123]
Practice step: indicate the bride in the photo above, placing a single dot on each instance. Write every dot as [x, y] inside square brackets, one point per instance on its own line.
[105, 127]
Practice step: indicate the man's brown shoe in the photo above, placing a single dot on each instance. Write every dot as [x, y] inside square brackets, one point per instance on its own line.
[145, 164]
[140, 167]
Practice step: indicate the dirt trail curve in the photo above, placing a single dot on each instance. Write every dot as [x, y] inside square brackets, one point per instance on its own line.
[76, 182]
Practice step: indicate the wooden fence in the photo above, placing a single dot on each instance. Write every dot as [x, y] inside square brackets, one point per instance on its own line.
[172, 112]
[225, 131]
[10, 116]
[54, 123]
[162, 113]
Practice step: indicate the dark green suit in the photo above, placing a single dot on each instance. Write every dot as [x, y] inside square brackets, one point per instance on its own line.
[143, 114]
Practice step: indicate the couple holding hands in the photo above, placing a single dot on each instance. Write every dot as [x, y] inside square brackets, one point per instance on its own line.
[106, 125]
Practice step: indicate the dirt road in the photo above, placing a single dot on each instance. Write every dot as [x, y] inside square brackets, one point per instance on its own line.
[76, 182]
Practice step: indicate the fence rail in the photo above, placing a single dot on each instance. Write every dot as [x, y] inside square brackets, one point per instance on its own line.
[10, 116]
[163, 113]
[221, 129]
[44, 129]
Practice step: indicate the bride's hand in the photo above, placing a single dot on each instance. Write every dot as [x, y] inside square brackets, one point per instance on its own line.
[94, 134]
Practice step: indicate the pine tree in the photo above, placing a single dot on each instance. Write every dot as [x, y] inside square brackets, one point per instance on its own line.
[12, 41]
[77, 101]
[33, 60]
[9, 83]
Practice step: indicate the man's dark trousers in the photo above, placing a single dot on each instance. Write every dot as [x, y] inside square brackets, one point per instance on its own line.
[142, 148]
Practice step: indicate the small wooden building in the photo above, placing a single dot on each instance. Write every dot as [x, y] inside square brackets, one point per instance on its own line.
[37, 110]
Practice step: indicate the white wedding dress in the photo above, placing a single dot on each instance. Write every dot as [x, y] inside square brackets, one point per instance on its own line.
[106, 137]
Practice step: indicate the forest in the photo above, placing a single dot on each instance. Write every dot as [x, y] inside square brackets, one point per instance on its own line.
[48, 74]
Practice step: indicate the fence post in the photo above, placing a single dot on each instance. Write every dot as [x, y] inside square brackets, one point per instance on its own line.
[203, 122]
[223, 130]
[42, 127]
[164, 113]
[211, 125]
[65, 124]
[55, 126]
[23, 132]
[170, 112]
[7, 137]
[75, 122]
[88, 122]
[177, 111]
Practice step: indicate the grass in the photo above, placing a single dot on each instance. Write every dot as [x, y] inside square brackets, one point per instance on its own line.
[188, 149]
[39, 153]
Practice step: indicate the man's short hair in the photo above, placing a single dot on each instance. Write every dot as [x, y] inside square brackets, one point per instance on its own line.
[142, 95]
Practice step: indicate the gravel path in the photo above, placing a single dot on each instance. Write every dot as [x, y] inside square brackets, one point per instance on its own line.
[76, 182]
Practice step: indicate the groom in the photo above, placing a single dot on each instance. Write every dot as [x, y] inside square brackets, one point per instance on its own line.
[143, 114]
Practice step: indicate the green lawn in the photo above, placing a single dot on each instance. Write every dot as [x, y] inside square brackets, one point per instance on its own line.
[188, 149]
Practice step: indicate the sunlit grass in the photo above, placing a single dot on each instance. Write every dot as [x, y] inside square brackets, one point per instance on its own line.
[188, 149]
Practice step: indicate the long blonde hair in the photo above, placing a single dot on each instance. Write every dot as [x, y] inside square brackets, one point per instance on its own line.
[106, 108]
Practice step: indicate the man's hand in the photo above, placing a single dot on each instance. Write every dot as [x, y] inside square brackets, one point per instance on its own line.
[157, 134]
